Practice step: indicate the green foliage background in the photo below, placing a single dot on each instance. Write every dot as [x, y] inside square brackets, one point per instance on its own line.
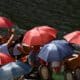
[61, 14]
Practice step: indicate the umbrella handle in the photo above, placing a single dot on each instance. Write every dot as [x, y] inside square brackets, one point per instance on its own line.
[74, 57]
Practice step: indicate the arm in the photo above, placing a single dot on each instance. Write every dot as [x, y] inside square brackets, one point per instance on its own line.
[21, 50]
[10, 40]
[12, 31]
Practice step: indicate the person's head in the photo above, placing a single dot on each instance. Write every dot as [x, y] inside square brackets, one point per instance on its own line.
[11, 30]
[36, 48]
[20, 38]
[26, 47]
[17, 40]
[55, 66]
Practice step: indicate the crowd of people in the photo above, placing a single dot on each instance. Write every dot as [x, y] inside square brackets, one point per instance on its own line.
[12, 45]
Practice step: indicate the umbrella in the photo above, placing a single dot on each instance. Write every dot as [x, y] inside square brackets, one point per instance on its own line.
[73, 37]
[5, 22]
[39, 35]
[5, 58]
[14, 70]
[55, 51]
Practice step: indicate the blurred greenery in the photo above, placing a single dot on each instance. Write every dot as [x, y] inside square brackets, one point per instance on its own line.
[63, 15]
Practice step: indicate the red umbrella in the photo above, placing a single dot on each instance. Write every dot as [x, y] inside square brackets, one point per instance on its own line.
[73, 37]
[39, 35]
[5, 58]
[5, 22]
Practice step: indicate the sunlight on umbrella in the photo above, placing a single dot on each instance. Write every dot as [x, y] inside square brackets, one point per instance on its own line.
[5, 22]
[39, 35]
[73, 37]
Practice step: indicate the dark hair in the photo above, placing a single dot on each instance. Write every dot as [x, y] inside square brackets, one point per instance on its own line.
[17, 40]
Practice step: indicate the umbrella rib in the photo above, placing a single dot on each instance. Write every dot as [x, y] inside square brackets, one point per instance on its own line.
[58, 51]
[74, 37]
[40, 34]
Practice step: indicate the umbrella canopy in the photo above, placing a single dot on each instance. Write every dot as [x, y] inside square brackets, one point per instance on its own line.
[39, 35]
[5, 22]
[73, 37]
[5, 58]
[55, 51]
[14, 70]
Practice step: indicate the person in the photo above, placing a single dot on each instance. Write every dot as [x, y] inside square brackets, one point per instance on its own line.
[33, 58]
[15, 46]
[7, 35]
[57, 70]
[4, 47]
